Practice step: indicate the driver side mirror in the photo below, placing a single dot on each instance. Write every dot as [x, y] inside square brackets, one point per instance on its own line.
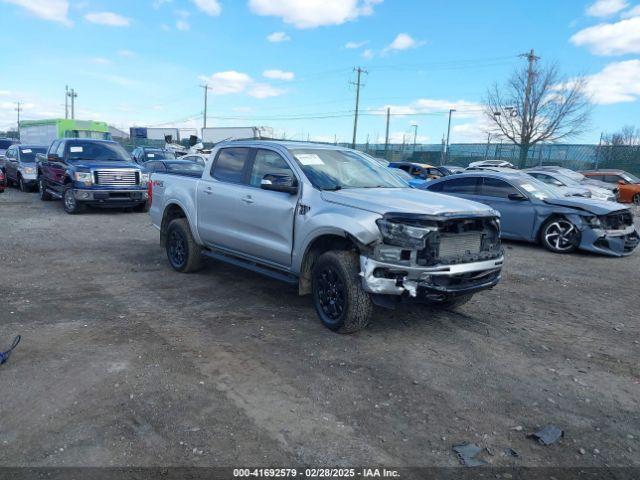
[53, 157]
[278, 182]
[621, 182]
[517, 197]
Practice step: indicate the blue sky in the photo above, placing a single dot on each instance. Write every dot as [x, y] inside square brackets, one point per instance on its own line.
[288, 64]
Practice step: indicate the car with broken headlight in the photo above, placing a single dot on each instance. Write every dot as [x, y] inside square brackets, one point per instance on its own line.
[533, 211]
[331, 221]
[571, 187]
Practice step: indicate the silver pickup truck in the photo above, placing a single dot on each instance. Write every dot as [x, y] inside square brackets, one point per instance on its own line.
[332, 221]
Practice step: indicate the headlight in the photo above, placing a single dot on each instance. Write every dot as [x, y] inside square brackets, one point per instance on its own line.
[144, 178]
[84, 177]
[403, 235]
[593, 221]
[28, 170]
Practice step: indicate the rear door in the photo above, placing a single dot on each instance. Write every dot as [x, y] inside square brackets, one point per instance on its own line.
[516, 216]
[236, 214]
[11, 163]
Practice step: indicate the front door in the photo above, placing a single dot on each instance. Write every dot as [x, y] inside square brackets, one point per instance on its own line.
[516, 216]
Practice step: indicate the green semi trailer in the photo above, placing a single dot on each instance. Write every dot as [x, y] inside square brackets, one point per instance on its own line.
[43, 132]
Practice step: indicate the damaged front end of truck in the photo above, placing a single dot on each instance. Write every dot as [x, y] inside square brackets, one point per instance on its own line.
[433, 257]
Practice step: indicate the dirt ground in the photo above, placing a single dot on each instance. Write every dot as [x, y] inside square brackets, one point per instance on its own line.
[125, 362]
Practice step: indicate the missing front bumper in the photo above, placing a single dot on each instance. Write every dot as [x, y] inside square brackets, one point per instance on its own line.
[437, 281]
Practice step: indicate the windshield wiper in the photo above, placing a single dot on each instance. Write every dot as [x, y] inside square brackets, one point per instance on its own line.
[332, 189]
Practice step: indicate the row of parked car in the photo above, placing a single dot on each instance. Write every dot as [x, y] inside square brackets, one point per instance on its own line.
[340, 224]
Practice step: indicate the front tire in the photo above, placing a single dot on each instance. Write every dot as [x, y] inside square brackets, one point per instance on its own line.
[184, 254]
[71, 205]
[338, 297]
[21, 185]
[559, 235]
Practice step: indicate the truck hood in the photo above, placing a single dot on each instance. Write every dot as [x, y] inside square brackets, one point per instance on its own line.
[405, 200]
[87, 164]
[597, 207]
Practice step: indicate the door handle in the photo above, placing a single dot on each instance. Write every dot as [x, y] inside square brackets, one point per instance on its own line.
[208, 191]
[248, 200]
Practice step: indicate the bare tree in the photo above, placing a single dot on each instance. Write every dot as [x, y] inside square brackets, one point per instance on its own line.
[628, 135]
[538, 105]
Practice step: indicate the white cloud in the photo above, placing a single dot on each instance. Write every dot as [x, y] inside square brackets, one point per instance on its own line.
[264, 90]
[278, 75]
[127, 53]
[618, 38]
[313, 13]
[234, 82]
[210, 7]
[403, 41]
[277, 37]
[108, 18]
[464, 108]
[159, 3]
[604, 8]
[182, 25]
[354, 45]
[633, 12]
[223, 83]
[368, 54]
[4, 93]
[100, 61]
[54, 10]
[618, 82]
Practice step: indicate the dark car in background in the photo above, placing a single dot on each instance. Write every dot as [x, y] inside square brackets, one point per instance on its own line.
[20, 165]
[5, 143]
[533, 211]
[179, 167]
[83, 171]
[142, 155]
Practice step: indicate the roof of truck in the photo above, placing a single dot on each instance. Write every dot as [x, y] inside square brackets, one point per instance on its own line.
[289, 144]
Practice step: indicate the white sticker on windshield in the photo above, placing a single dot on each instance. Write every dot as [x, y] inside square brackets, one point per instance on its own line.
[151, 155]
[528, 188]
[75, 149]
[26, 150]
[309, 159]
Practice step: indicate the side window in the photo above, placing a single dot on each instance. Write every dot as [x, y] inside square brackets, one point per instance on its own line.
[612, 178]
[493, 187]
[230, 164]
[54, 147]
[60, 150]
[266, 162]
[468, 186]
[10, 152]
[596, 177]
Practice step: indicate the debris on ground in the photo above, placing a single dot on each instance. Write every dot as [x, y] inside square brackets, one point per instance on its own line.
[466, 453]
[510, 452]
[547, 435]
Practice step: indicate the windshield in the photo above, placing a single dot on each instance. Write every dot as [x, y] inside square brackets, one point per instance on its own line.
[158, 155]
[628, 177]
[538, 189]
[97, 151]
[329, 169]
[28, 154]
[402, 174]
[578, 177]
[186, 167]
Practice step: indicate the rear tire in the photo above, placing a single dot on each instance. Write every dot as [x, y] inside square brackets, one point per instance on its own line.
[338, 297]
[184, 254]
[559, 235]
[42, 189]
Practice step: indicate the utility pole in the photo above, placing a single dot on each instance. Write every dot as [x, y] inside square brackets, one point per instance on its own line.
[524, 132]
[206, 89]
[66, 101]
[415, 137]
[73, 96]
[355, 119]
[18, 109]
[451, 110]
[386, 137]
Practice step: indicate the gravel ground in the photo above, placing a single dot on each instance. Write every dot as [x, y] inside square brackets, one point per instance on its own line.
[125, 362]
